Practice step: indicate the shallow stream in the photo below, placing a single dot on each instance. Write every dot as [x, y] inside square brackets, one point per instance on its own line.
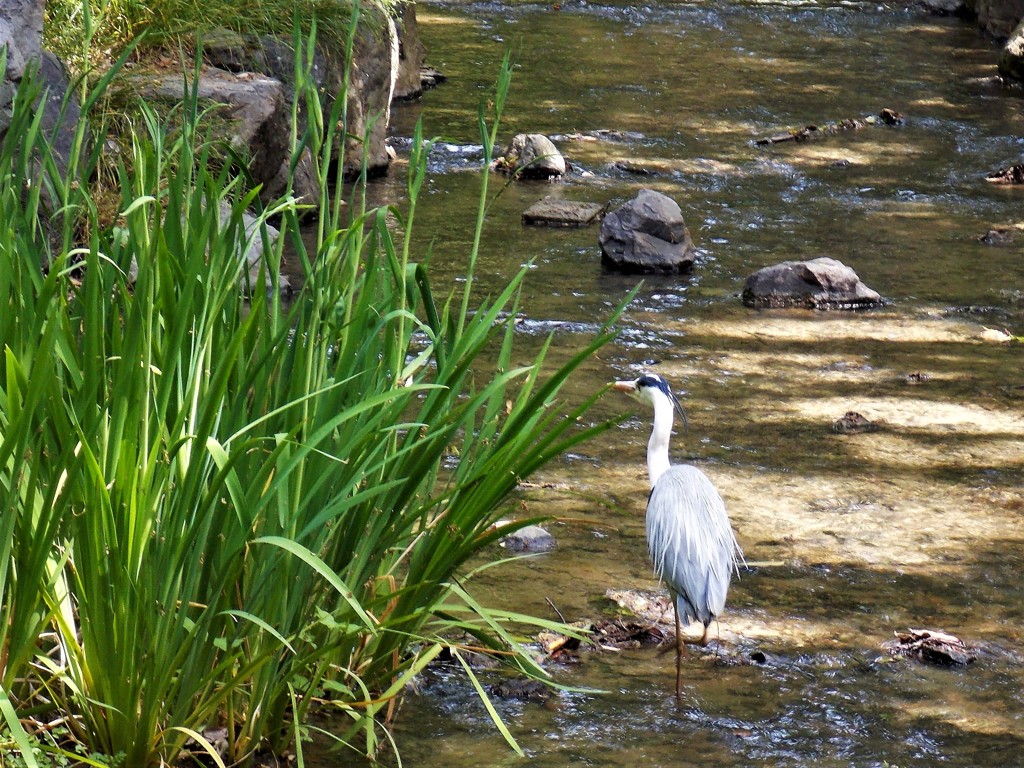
[850, 537]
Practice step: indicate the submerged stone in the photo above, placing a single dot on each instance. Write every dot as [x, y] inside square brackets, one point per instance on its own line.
[523, 689]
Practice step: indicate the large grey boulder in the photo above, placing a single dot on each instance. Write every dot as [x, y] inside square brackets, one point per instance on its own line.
[999, 17]
[61, 111]
[412, 54]
[531, 156]
[646, 234]
[253, 112]
[371, 87]
[21, 35]
[1011, 58]
[253, 79]
[21, 29]
[817, 284]
[948, 7]
[267, 55]
[370, 90]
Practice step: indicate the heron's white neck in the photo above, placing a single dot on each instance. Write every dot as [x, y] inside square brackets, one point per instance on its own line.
[657, 446]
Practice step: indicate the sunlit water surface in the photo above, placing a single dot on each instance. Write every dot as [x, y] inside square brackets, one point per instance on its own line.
[850, 537]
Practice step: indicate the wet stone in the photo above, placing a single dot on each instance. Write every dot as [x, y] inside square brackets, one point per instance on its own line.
[932, 647]
[523, 689]
[853, 423]
[555, 212]
[532, 538]
[531, 156]
[1002, 236]
[431, 78]
[628, 166]
[1013, 174]
[646, 234]
[823, 283]
[601, 134]
[618, 634]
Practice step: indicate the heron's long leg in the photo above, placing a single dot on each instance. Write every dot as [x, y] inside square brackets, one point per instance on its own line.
[679, 652]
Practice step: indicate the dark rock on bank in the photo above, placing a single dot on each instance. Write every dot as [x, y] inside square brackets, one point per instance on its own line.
[253, 111]
[999, 18]
[414, 76]
[817, 284]
[21, 34]
[947, 7]
[246, 70]
[646, 234]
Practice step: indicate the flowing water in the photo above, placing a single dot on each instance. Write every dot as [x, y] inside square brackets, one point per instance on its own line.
[849, 537]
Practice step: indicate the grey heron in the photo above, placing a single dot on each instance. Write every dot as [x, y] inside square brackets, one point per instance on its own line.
[689, 537]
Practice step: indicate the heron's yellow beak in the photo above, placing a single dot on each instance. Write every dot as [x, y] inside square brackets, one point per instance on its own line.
[624, 386]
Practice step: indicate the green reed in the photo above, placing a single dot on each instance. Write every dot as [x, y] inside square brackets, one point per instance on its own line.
[216, 508]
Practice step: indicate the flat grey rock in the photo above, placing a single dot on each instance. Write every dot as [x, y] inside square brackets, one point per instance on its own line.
[555, 212]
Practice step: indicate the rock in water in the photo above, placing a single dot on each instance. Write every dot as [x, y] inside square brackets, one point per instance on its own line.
[817, 284]
[853, 423]
[1013, 174]
[646, 234]
[532, 538]
[556, 212]
[933, 647]
[531, 156]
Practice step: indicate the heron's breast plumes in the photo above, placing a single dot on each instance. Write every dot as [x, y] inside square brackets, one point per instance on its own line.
[691, 541]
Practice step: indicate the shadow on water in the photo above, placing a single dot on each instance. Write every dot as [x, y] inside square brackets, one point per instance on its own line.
[849, 537]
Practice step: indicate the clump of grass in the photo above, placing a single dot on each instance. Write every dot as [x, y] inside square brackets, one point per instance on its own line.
[214, 510]
[93, 33]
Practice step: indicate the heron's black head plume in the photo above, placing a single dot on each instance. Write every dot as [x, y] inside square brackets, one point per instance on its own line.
[655, 381]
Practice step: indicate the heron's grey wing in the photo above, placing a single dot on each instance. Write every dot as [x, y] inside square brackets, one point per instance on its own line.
[691, 541]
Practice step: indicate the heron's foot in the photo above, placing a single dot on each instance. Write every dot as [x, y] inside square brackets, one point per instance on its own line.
[669, 643]
[703, 641]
